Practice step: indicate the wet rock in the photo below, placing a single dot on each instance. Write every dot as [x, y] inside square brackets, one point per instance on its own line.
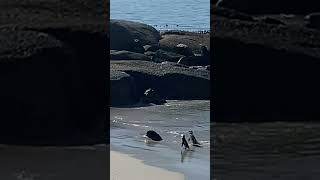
[151, 96]
[153, 135]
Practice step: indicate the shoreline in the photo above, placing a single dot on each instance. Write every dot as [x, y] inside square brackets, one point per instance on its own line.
[123, 166]
[126, 137]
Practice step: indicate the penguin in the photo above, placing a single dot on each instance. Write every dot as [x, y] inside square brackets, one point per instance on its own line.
[184, 142]
[193, 139]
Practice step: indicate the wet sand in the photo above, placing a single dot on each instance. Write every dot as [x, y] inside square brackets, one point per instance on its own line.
[277, 151]
[54, 163]
[124, 167]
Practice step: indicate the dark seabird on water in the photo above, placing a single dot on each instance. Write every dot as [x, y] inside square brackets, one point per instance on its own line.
[152, 135]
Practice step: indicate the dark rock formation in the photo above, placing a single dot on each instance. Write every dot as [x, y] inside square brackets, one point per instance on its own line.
[170, 82]
[271, 6]
[127, 55]
[52, 60]
[152, 48]
[194, 41]
[132, 36]
[149, 53]
[194, 60]
[153, 135]
[151, 96]
[266, 72]
[161, 56]
[123, 89]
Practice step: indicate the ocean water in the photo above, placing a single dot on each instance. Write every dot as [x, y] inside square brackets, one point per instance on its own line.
[164, 14]
[128, 125]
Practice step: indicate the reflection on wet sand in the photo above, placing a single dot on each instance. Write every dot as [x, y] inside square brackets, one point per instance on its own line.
[278, 150]
[186, 154]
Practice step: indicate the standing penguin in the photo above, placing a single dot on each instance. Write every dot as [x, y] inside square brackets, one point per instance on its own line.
[184, 142]
[194, 140]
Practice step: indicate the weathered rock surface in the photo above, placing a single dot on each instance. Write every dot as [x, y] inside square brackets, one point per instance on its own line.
[51, 87]
[161, 56]
[194, 41]
[266, 72]
[194, 61]
[171, 82]
[127, 55]
[132, 36]
[123, 89]
[151, 48]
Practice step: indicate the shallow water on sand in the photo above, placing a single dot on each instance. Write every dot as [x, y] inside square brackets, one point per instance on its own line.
[164, 14]
[264, 151]
[128, 125]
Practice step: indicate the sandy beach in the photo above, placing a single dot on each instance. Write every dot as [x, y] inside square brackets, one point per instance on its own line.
[53, 163]
[124, 167]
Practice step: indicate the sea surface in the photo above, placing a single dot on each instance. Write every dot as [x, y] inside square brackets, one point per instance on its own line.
[128, 125]
[191, 15]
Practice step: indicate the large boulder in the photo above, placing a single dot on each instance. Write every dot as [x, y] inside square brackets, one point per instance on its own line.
[123, 90]
[271, 6]
[170, 82]
[52, 60]
[132, 36]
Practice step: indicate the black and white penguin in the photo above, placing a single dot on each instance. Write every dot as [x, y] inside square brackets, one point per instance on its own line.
[193, 139]
[184, 142]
